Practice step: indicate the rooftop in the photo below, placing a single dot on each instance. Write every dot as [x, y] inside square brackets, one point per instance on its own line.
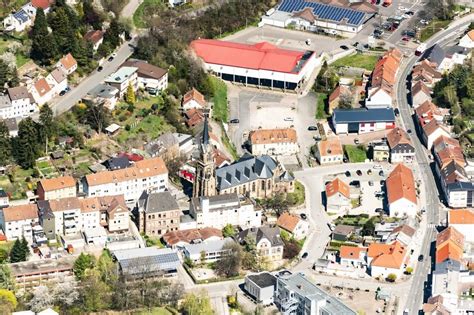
[145, 69]
[288, 221]
[57, 183]
[461, 216]
[209, 246]
[20, 212]
[401, 184]
[357, 115]
[191, 235]
[263, 279]
[160, 202]
[330, 147]
[121, 75]
[68, 61]
[268, 136]
[337, 186]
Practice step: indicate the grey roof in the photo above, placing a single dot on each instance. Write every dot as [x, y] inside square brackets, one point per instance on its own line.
[457, 50]
[161, 143]
[44, 209]
[3, 194]
[117, 163]
[286, 177]
[5, 101]
[447, 265]
[160, 202]
[11, 123]
[146, 260]
[205, 132]
[18, 93]
[435, 54]
[299, 284]
[270, 233]
[461, 186]
[208, 246]
[357, 115]
[342, 229]
[103, 91]
[263, 279]
[246, 169]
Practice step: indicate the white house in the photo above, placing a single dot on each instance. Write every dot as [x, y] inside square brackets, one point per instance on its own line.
[42, 92]
[17, 103]
[298, 228]
[353, 256]
[378, 98]
[218, 211]
[67, 63]
[57, 80]
[274, 141]
[24, 17]
[467, 41]
[463, 221]
[122, 78]
[96, 37]
[103, 94]
[193, 99]
[401, 192]
[329, 151]
[17, 221]
[150, 77]
[208, 252]
[420, 93]
[385, 259]
[338, 196]
[149, 175]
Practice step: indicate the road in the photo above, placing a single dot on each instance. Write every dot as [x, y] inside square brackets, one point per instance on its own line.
[422, 270]
[130, 8]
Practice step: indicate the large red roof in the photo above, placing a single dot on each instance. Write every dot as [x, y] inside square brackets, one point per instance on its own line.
[261, 56]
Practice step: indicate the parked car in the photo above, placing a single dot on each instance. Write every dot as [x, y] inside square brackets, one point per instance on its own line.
[305, 254]
[371, 183]
[348, 174]
[411, 13]
[369, 172]
[288, 119]
[382, 183]
[234, 121]
[112, 57]
[406, 38]
[355, 44]
[344, 47]
[313, 128]
[317, 138]
[62, 92]
[356, 141]
[409, 130]
[100, 68]
[303, 216]
[308, 42]
[359, 172]
[355, 183]
[381, 173]
[379, 210]
[421, 257]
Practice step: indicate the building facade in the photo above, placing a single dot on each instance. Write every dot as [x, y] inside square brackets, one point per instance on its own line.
[18, 221]
[274, 141]
[158, 213]
[122, 78]
[56, 188]
[361, 121]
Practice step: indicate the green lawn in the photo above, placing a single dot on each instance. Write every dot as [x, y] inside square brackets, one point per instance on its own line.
[356, 154]
[220, 112]
[146, 10]
[21, 60]
[321, 106]
[358, 60]
[18, 188]
[434, 27]
[150, 127]
[297, 197]
[230, 147]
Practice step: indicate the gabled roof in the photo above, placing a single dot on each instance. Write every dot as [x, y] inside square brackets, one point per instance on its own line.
[42, 87]
[188, 236]
[397, 136]
[101, 204]
[160, 202]
[44, 4]
[306, 14]
[433, 126]
[337, 186]
[449, 245]
[21, 212]
[268, 136]
[387, 255]
[470, 34]
[18, 93]
[94, 36]
[272, 234]
[330, 147]
[65, 204]
[351, 252]
[385, 70]
[448, 150]
[420, 86]
[58, 75]
[68, 61]
[461, 216]
[401, 184]
[195, 95]
[145, 69]
[425, 70]
[57, 183]
[340, 89]
[288, 222]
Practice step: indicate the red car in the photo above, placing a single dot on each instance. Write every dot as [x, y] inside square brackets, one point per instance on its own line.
[406, 38]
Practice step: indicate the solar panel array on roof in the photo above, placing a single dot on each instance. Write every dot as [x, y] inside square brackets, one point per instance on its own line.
[324, 11]
[21, 16]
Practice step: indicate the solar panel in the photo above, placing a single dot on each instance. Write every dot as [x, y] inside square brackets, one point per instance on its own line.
[21, 16]
[324, 11]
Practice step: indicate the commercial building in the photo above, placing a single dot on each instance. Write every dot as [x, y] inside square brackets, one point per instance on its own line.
[149, 175]
[261, 64]
[261, 287]
[150, 77]
[401, 147]
[334, 17]
[268, 242]
[122, 78]
[295, 294]
[401, 192]
[360, 120]
[329, 151]
[338, 196]
[158, 213]
[218, 211]
[274, 141]
[18, 221]
[56, 188]
[207, 252]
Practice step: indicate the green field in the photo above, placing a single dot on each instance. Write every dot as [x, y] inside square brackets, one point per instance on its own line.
[220, 112]
[321, 106]
[434, 27]
[146, 10]
[358, 60]
[151, 127]
[356, 154]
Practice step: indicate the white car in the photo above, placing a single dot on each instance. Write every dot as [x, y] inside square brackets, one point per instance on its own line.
[377, 167]
[288, 119]
[401, 8]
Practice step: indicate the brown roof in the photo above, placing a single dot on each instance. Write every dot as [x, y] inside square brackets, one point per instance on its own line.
[434, 305]
[220, 157]
[330, 147]
[306, 14]
[288, 221]
[447, 152]
[64, 204]
[57, 183]
[42, 87]
[58, 75]
[426, 71]
[146, 69]
[343, 229]
[405, 229]
[68, 61]
[471, 34]
[267, 136]
[187, 236]
[449, 245]
[385, 70]
[397, 136]
[351, 252]
[401, 184]
[194, 116]
[94, 36]
[461, 216]
[194, 95]
[340, 89]
[18, 93]
[106, 203]
[420, 86]
[22, 212]
[337, 186]
[44, 4]
[141, 169]
[387, 255]
[432, 126]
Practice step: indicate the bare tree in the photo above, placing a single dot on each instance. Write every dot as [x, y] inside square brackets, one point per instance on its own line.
[42, 299]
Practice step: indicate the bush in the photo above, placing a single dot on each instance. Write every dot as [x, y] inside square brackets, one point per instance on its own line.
[127, 127]
[391, 277]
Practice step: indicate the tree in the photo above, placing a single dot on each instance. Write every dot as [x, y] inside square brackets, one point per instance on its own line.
[3, 75]
[17, 254]
[8, 301]
[130, 94]
[27, 147]
[345, 101]
[5, 144]
[95, 294]
[65, 295]
[409, 270]
[391, 277]
[112, 34]
[47, 121]
[107, 268]
[229, 265]
[82, 263]
[291, 249]
[194, 304]
[97, 116]
[42, 299]
[6, 280]
[3, 255]
[369, 228]
[228, 230]
[25, 248]
[41, 53]
[91, 16]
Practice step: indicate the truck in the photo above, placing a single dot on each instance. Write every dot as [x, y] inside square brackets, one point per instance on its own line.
[420, 50]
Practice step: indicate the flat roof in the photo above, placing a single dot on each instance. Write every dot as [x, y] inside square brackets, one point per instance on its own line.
[121, 75]
[263, 279]
[358, 115]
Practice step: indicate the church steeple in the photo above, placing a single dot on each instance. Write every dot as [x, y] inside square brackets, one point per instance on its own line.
[205, 179]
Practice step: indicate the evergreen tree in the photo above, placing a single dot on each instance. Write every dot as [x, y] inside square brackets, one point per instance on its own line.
[13, 78]
[16, 254]
[112, 35]
[130, 95]
[5, 144]
[40, 51]
[47, 121]
[27, 146]
[25, 249]
[83, 263]
[64, 30]
[91, 16]
[3, 74]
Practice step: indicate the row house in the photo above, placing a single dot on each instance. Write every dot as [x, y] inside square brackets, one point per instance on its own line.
[431, 122]
[56, 188]
[17, 103]
[420, 93]
[425, 72]
[274, 141]
[401, 147]
[149, 175]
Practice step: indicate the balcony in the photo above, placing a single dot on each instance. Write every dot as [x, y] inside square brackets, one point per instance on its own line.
[289, 305]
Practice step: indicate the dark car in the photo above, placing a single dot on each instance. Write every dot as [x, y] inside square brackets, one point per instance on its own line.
[397, 112]
[355, 44]
[409, 130]
[382, 182]
[344, 47]
[381, 173]
[409, 13]
[100, 68]
[62, 92]
[304, 255]
[303, 216]
[356, 141]
[345, 160]
[371, 183]
[359, 172]
[234, 121]
[421, 257]
[379, 210]
[110, 58]
[313, 128]
[369, 172]
[348, 174]
[355, 183]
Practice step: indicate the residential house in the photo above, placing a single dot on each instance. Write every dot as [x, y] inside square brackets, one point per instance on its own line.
[432, 131]
[401, 192]
[64, 215]
[18, 221]
[295, 294]
[193, 99]
[329, 151]
[12, 126]
[463, 221]
[353, 256]
[56, 188]
[428, 111]
[436, 55]
[158, 213]
[102, 94]
[401, 147]
[403, 234]
[380, 93]
[274, 141]
[4, 199]
[122, 79]
[268, 242]
[218, 211]
[150, 77]
[17, 103]
[467, 41]
[380, 152]
[67, 63]
[360, 120]
[449, 245]
[150, 262]
[335, 97]
[194, 117]
[261, 287]
[149, 175]
[57, 80]
[117, 163]
[42, 92]
[22, 19]
[96, 37]
[106, 211]
[179, 238]
[166, 146]
[208, 252]
[343, 232]
[420, 93]
[385, 259]
[297, 227]
[338, 196]
[425, 72]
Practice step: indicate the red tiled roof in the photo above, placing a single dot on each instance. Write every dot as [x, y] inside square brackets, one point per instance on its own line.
[461, 216]
[195, 95]
[449, 245]
[401, 184]
[68, 61]
[387, 255]
[94, 36]
[340, 89]
[337, 186]
[42, 87]
[44, 4]
[57, 183]
[288, 221]
[187, 236]
[261, 56]
[351, 252]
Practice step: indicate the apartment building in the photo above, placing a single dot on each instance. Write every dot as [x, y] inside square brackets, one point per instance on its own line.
[147, 175]
[158, 213]
[108, 211]
[56, 188]
[401, 147]
[385, 259]
[17, 103]
[274, 141]
[64, 214]
[18, 221]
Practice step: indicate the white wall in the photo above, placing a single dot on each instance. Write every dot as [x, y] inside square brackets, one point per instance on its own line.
[280, 148]
[401, 207]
